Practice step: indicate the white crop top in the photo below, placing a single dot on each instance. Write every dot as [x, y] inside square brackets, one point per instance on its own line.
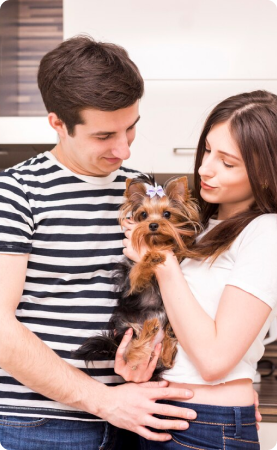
[251, 265]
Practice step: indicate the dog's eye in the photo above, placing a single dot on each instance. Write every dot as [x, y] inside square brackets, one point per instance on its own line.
[143, 215]
[167, 214]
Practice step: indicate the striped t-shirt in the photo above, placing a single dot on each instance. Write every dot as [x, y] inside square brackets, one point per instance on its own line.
[68, 225]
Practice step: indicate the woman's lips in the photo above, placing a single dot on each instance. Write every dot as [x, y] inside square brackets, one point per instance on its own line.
[206, 186]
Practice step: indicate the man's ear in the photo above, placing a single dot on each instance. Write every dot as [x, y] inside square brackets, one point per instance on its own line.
[57, 124]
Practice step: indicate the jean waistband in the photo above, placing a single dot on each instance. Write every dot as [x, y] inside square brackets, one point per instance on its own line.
[225, 415]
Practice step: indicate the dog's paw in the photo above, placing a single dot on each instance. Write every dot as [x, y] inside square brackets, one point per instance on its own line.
[153, 259]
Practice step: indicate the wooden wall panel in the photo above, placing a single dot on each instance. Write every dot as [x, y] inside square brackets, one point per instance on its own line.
[8, 58]
[40, 29]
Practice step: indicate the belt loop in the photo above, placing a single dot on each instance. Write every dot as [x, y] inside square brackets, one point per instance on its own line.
[237, 411]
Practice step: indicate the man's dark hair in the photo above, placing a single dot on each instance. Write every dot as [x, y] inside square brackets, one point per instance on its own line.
[81, 73]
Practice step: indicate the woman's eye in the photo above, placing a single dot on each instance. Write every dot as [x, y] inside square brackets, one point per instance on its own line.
[143, 215]
[227, 165]
[207, 150]
[167, 214]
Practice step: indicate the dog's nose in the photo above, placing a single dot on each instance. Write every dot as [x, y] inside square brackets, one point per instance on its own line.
[153, 226]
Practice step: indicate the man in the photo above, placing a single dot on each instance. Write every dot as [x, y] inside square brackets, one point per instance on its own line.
[59, 242]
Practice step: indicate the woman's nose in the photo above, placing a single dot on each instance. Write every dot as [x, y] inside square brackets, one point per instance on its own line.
[206, 169]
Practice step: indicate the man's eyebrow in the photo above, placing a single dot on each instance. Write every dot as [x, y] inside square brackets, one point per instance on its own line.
[110, 133]
[225, 153]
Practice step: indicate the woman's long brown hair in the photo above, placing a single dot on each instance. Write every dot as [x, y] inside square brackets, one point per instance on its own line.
[252, 120]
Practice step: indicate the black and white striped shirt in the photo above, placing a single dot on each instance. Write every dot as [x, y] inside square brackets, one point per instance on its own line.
[67, 223]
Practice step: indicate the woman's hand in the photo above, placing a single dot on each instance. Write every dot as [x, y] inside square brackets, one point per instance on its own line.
[257, 412]
[142, 370]
[134, 254]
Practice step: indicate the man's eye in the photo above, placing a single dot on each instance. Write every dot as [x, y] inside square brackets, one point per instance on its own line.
[143, 215]
[167, 214]
[103, 138]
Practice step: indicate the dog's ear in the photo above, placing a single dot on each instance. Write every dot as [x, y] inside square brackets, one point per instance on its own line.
[178, 189]
[134, 191]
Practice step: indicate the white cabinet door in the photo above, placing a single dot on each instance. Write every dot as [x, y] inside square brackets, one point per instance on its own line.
[184, 39]
[172, 116]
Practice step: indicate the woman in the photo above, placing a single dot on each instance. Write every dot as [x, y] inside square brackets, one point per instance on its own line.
[220, 302]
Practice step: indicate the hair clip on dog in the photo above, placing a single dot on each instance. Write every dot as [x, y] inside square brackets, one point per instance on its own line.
[155, 190]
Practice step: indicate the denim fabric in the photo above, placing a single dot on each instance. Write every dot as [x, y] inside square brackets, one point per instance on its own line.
[215, 428]
[29, 433]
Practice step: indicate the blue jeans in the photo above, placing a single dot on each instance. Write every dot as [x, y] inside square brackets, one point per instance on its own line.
[215, 428]
[30, 433]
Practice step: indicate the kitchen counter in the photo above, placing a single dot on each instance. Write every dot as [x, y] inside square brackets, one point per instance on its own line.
[267, 389]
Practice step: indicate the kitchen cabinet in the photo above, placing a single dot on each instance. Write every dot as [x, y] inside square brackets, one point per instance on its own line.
[184, 39]
[268, 436]
[26, 130]
[192, 55]
[172, 116]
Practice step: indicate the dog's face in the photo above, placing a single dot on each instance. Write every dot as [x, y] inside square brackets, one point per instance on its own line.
[165, 218]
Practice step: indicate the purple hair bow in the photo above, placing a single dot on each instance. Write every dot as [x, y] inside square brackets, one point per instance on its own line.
[155, 190]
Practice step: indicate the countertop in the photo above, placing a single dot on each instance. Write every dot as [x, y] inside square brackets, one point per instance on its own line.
[267, 389]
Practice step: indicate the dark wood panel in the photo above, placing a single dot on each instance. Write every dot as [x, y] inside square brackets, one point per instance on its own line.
[37, 29]
[267, 389]
[8, 57]
[40, 29]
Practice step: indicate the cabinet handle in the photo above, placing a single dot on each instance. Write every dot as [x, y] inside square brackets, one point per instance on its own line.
[184, 151]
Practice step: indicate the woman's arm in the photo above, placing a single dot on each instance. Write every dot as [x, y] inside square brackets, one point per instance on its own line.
[215, 346]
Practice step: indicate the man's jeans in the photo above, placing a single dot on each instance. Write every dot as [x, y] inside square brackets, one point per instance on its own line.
[29, 433]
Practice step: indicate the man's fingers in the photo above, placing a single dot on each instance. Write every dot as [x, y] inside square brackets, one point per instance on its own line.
[152, 436]
[166, 410]
[128, 234]
[155, 384]
[125, 242]
[167, 424]
[119, 362]
[169, 393]
[153, 361]
[125, 341]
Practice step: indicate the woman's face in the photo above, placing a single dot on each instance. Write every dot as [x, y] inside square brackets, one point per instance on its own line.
[224, 179]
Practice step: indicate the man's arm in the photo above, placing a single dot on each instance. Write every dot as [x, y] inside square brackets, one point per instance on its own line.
[24, 356]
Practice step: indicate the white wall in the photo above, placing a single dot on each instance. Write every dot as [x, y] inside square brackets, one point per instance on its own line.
[192, 54]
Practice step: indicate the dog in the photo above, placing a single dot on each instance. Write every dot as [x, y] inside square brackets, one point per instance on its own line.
[166, 219]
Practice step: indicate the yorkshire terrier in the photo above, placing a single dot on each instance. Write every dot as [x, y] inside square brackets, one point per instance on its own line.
[166, 219]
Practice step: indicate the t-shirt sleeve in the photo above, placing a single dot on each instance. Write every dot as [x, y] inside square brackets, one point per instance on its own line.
[255, 268]
[16, 221]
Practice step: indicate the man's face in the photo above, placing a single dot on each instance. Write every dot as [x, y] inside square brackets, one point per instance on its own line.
[99, 146]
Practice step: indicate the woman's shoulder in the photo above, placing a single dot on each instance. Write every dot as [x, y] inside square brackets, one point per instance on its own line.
[262, 227]
[265, 220]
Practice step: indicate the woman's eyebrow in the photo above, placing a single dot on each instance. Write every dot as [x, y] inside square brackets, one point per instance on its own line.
[225, 153]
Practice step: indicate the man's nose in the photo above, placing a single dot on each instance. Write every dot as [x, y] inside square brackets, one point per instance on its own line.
[122, 149]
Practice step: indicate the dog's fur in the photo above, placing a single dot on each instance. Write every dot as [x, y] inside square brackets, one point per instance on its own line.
[170, 222]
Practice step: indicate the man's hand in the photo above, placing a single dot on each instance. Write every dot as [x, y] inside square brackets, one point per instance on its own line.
[132, 406]
[141, 370]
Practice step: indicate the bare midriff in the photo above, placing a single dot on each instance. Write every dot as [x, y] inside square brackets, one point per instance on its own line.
[231, 393]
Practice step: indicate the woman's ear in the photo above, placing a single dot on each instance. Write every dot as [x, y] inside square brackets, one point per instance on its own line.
[57, 124]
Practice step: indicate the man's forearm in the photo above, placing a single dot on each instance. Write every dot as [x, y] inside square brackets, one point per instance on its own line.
[24, 356]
